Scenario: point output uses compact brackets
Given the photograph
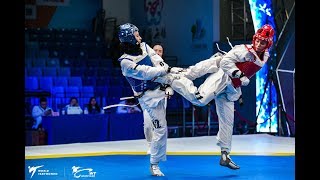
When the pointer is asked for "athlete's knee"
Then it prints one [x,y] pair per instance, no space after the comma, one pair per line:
[161,130]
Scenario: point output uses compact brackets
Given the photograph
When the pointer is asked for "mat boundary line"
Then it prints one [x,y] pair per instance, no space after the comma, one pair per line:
[144,153]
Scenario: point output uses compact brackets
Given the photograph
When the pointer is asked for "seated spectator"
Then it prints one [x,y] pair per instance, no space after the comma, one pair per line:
[93,107]
[130,106]
[158,49]
[73,107]
[40,110]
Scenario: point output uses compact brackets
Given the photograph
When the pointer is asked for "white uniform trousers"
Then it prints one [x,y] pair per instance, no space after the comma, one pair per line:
[156,115]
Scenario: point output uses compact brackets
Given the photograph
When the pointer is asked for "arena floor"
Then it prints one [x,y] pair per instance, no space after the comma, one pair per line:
[260,156]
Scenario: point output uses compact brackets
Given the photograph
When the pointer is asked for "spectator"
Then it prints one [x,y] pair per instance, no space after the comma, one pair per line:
[73,107]
[40,110]
[93,107]
[158,49]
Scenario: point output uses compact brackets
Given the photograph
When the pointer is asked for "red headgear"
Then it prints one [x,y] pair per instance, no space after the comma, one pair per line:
[265,33]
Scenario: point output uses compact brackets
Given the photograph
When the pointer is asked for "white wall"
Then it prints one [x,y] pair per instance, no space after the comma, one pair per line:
[117,8]
[177,19]
[179,36]
[216,20]
[78,14]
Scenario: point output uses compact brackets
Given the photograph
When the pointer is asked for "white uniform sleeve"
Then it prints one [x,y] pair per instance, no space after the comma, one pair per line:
[141,72]
[155,58]
[36,112]
[227,63]
[80,110]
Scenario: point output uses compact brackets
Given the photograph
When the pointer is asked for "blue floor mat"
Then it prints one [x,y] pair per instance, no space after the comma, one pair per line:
[114,167]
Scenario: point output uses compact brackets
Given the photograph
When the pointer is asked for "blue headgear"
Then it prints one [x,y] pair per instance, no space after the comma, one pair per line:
[126,31]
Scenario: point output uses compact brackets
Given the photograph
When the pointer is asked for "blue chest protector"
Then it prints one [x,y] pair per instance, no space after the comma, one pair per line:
[142,85]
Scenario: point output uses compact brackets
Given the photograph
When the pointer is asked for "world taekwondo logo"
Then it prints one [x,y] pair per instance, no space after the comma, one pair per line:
[33,169]
[40,172]
[79,172]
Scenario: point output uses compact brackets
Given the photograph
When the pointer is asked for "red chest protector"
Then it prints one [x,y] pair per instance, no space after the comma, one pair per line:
[248,68]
